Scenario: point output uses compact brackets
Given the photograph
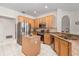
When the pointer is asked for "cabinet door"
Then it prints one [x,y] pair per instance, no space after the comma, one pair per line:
[42,20]
[49,21]
[36,23]
[47,39]
[21,18]
[31,22]
[64,50]
[57,46]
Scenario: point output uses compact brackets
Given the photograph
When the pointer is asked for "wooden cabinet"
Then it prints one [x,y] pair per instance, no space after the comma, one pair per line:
[47,38]
[42,20]
[31,22]
[26,20]
[57,46]
[62,47]
[31,45]
[64,50]
[49,21]
[21,18]
[36,23]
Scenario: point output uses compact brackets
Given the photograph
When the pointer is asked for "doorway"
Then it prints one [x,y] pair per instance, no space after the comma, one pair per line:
[65,24]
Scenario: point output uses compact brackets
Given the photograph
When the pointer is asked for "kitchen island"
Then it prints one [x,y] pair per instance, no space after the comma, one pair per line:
[31,45]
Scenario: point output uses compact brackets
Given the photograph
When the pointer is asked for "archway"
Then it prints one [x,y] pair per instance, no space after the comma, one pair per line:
[65,24]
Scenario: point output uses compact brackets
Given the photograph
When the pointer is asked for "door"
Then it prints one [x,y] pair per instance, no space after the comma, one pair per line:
[65,24]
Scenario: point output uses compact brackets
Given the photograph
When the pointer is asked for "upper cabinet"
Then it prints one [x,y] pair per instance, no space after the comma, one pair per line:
[21,18]
[42,20]
[26,20]
[37,22]
[48,20]
[31,22]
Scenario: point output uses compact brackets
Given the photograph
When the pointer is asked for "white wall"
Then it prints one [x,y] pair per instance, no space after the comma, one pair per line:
[74,27]
[59,16]
[73,15]
[7,27]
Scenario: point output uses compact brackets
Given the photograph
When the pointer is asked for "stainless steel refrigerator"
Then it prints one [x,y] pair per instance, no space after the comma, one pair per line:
[22,30]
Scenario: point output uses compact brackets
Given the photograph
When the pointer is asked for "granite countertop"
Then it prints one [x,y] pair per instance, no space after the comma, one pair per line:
[64,37]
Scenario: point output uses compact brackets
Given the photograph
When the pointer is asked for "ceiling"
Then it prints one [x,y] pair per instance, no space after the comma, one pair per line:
[29,8]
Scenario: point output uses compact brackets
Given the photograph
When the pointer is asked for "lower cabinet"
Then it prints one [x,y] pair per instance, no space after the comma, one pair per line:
[62,47]
[56,45]
[48,38]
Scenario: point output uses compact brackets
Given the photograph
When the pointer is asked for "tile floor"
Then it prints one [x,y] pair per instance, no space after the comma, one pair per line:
[11,48]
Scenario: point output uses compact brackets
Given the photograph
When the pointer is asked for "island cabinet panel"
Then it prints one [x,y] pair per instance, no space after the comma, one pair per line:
[57,46]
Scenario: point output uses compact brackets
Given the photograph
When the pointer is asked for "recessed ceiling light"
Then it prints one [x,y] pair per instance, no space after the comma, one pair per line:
[46,6]
[35,12]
